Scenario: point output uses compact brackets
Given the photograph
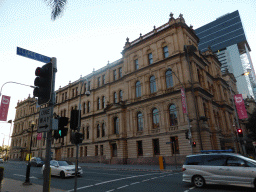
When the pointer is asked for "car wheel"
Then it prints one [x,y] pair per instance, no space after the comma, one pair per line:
[198,181]
[62,174]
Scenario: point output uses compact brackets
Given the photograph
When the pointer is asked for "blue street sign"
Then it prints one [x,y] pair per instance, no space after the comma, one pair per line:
[33,55]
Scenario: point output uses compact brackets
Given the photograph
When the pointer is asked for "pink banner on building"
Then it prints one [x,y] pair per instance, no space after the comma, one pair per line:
[39,136]
[4,107]
[183,100]
[240,107]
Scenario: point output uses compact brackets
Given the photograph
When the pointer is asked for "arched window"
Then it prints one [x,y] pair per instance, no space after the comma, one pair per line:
[173,115]
[98,105]
[116,125]
[84,108]
[120,95]
[138,89]
[152,84]
[98,130]
[103,130]
[168,78]
[140,121]
[88,107]
[115,97]
[155,117]
[103,102]
[87,132]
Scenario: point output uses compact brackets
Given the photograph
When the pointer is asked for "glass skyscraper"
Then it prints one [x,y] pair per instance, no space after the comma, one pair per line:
[227,39]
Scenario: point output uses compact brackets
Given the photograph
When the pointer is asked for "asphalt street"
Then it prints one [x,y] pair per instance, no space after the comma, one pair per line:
[107,180]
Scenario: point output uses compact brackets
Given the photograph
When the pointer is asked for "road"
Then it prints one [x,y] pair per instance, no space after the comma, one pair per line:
[107,180]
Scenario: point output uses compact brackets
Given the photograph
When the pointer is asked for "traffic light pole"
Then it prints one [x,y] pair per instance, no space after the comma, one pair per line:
[78,128]
[46,185]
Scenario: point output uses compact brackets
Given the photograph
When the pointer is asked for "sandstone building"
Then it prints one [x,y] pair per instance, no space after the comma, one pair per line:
[135,107]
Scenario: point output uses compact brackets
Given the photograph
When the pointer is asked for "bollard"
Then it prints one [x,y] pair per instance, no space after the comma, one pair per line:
[161,162]
[164,163]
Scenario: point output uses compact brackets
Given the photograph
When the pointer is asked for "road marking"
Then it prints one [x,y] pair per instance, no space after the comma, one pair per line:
[123,187]
[189,189]
[134,183]
[111,190]
[32,177]
[114,181]
[145,180]
[106,173]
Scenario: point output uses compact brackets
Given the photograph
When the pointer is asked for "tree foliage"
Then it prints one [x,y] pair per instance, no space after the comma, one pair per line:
[57,7]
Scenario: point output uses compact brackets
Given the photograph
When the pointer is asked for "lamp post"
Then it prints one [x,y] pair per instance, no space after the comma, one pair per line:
[188,50]
[10,121]
[15,83]
[189,128]
[233,103]
[27,181]
[87,93]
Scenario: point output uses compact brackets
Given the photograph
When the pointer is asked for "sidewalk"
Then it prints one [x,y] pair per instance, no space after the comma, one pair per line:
[11,185]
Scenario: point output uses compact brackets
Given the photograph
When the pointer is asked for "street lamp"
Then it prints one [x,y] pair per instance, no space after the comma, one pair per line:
[189,127]
[189,49]
[15,83]
[27,181]
[233,103]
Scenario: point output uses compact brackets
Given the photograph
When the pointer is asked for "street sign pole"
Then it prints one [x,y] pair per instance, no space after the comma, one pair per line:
[46,185]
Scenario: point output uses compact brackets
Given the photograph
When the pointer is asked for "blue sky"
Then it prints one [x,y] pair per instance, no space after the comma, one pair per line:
[90,33]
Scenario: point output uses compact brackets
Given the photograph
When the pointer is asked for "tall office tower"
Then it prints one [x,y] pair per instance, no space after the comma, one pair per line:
[227,39]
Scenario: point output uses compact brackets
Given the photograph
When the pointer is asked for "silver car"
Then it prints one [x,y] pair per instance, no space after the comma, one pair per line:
[63,169]
[220,168]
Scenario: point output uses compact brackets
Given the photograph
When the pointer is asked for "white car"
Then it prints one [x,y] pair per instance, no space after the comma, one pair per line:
[63,169]
[220,168]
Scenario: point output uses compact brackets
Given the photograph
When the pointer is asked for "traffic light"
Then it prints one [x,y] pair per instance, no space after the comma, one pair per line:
[76,138]
[62,131]
[194,144]
[240,133]
[63,121]
[43,83]
[74,119]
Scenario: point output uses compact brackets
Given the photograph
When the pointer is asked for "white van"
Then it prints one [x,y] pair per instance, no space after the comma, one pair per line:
[220,168]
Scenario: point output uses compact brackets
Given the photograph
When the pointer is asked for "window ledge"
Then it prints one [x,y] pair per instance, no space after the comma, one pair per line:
[173,128]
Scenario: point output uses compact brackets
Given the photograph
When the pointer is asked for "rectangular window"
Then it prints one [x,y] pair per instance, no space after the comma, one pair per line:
[85,151]
[66,95]
[175,145]
[166,53]
[55,100]
[103,79]
[76,91]
[120,72]
[72,152]
[62,97]
[98,81]
[150,58]
[89,85]
[136,63]
[81,151]
[139,147]
[156,147]
[114,150]
[101,150]
[73,92]
[114,74]
[96,150]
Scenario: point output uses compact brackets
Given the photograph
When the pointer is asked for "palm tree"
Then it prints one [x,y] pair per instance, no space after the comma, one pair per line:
[57,7]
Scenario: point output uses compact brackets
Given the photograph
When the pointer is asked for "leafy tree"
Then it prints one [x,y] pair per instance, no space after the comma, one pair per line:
[251,126]
[57,7]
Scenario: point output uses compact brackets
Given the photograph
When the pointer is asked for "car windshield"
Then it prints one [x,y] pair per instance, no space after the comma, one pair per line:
[70,163]
[38,159]
[250,160]
[63,163]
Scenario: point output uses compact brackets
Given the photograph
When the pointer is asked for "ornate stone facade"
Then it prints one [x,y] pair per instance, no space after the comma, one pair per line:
[134,110]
